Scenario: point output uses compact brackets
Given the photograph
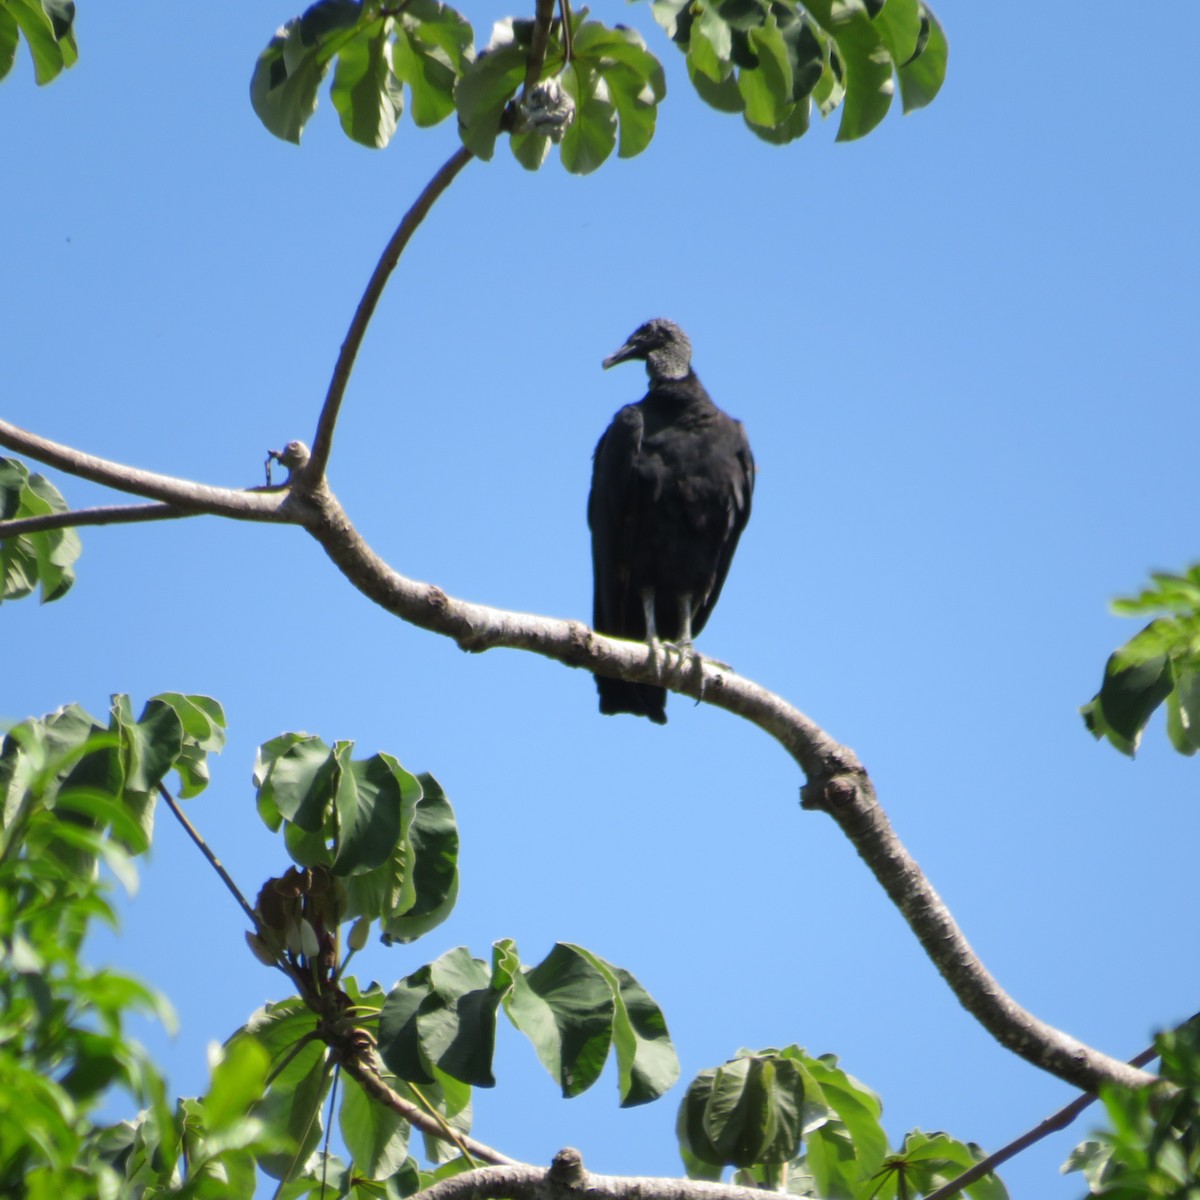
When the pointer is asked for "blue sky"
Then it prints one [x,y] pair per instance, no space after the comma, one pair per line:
[961,348]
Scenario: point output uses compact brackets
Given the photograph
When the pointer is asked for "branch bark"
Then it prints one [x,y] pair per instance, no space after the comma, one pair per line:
[837,783]
[566,1179]
[182,494]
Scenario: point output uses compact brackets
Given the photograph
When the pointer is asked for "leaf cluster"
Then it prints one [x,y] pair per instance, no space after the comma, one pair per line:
[770,60]
[774,61]
[74,794]
[1159,665]
[791,1121]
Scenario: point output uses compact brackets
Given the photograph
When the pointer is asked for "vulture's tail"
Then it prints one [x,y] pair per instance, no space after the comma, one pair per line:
[641,699]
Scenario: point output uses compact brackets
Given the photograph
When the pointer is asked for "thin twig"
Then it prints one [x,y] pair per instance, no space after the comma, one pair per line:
[542,19]
[112,514]
[323,439]
[1052,1124]
[449,1132]
[204,848]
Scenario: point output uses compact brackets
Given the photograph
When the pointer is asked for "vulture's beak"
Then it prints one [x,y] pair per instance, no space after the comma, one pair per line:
[626,352]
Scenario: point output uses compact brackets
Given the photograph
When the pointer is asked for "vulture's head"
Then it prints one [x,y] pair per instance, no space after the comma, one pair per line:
[662,345]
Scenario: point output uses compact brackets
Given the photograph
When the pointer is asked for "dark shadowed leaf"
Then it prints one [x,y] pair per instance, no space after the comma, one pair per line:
[368,800]
[647,1065]
[565,1007]
[745,1112]
[1137,679]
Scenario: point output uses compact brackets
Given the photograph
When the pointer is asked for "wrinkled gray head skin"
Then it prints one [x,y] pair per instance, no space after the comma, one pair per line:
[662,345]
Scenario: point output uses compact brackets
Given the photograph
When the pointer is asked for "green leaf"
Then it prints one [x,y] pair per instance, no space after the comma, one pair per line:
[746,1112]
[725,96]
[866,62]
[239,1078]
[767,89]
[376,1137]
[48,26]
[10,35]
[295,776]
[442,1015]
[857,1107]
[710,47]
[482,92]
[647,1065]
[433,48]
[592,135]
[565,1007]
[1137,679]
[366,94]
[634,78]
[283,88]
[291,1110]
[432,855]
[32,559]
[368,798]
[921,77]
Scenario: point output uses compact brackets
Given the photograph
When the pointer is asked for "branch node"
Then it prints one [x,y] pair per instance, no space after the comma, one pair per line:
[826,794]
[566,1169]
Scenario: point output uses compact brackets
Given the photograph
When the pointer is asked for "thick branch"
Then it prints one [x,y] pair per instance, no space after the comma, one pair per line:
[323,439]
[836,781]
[178,493]
[567,1180]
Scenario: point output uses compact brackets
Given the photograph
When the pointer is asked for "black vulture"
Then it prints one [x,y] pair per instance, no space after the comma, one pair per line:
[671,484]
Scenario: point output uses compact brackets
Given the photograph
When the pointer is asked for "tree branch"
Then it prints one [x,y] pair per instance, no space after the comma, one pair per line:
[1052,1124]
[182,494]
[206,850]
[323,438]
[374,1085]
[837,783]
[566,1179]
[542,19]
[113,514]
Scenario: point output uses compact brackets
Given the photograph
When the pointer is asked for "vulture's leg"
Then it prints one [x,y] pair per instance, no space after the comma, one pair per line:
[685,620]
[652,631]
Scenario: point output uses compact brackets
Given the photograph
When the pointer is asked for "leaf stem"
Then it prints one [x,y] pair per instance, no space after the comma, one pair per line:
[204,849]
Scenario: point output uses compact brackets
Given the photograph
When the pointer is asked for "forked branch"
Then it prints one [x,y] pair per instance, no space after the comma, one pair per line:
[836,783]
